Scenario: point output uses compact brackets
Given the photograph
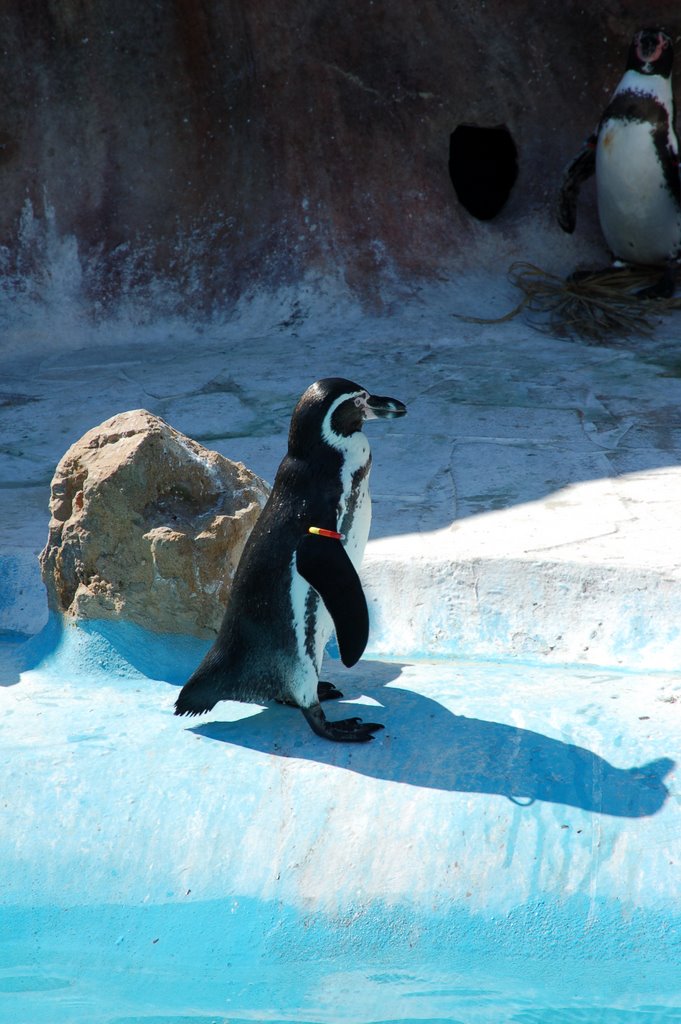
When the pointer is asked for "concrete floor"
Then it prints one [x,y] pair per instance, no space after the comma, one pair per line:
[532,492]
[523,797]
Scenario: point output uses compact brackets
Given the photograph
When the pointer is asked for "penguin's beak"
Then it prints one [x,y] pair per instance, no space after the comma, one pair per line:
[384,408]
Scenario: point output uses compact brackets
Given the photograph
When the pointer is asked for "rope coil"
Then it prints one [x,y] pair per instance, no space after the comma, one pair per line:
[594,305]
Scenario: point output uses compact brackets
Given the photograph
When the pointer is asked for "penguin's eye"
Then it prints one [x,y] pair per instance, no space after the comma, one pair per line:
[349,416]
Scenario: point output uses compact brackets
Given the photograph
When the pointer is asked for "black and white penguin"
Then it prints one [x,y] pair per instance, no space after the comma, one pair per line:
[634,154]
[297,577]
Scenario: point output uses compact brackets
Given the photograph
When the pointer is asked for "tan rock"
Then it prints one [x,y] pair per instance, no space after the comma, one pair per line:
[147,526]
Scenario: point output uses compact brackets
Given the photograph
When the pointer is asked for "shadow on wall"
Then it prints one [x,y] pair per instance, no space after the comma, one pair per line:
[121,648]
[426,745]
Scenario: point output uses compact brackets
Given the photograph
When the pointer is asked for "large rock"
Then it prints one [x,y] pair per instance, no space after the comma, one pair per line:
[147,526]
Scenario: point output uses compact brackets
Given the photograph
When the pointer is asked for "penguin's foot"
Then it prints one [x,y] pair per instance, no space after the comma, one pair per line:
[325,691]
[663,288]
[577,276]
[348,730]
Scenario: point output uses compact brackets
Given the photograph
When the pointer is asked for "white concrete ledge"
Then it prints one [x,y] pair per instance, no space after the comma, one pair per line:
[586,576]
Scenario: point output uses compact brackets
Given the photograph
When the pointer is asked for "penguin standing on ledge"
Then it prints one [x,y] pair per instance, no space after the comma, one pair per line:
[634,154]
[297,578]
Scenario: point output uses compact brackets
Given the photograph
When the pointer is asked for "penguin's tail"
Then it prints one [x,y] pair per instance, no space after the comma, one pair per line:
[197,696]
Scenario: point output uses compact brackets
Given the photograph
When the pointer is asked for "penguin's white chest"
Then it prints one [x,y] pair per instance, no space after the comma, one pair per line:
[354,510]
[639,216]
[358,529]
[312,624]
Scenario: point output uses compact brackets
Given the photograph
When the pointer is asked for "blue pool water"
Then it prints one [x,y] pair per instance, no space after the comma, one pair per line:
[507,850]
[170,965]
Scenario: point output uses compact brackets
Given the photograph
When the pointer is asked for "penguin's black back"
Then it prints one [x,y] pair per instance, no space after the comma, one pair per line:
[256,649]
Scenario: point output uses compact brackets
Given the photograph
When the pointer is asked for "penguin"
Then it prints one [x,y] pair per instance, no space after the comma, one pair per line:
[634,154]
[297,578]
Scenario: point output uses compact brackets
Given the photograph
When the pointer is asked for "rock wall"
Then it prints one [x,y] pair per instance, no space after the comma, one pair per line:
[147,526]
[224,144]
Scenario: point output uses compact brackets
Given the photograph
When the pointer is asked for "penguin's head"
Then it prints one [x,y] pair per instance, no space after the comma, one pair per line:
[333,409]
[651,52]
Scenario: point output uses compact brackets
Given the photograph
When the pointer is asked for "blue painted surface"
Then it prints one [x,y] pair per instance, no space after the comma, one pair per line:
[508,849]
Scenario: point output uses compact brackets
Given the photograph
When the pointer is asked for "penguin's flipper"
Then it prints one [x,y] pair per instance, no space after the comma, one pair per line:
[326,566]
[577,172]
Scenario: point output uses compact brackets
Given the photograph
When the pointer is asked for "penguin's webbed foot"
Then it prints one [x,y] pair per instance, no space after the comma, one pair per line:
[327,691]
[348,730]
[663,288]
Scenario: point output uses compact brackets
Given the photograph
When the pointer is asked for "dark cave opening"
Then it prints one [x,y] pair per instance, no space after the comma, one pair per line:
[483,167]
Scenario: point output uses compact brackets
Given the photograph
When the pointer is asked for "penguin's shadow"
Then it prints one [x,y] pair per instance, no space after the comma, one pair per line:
[426,745]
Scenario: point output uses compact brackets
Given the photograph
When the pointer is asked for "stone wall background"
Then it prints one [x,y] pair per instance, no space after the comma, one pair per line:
[223,145]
